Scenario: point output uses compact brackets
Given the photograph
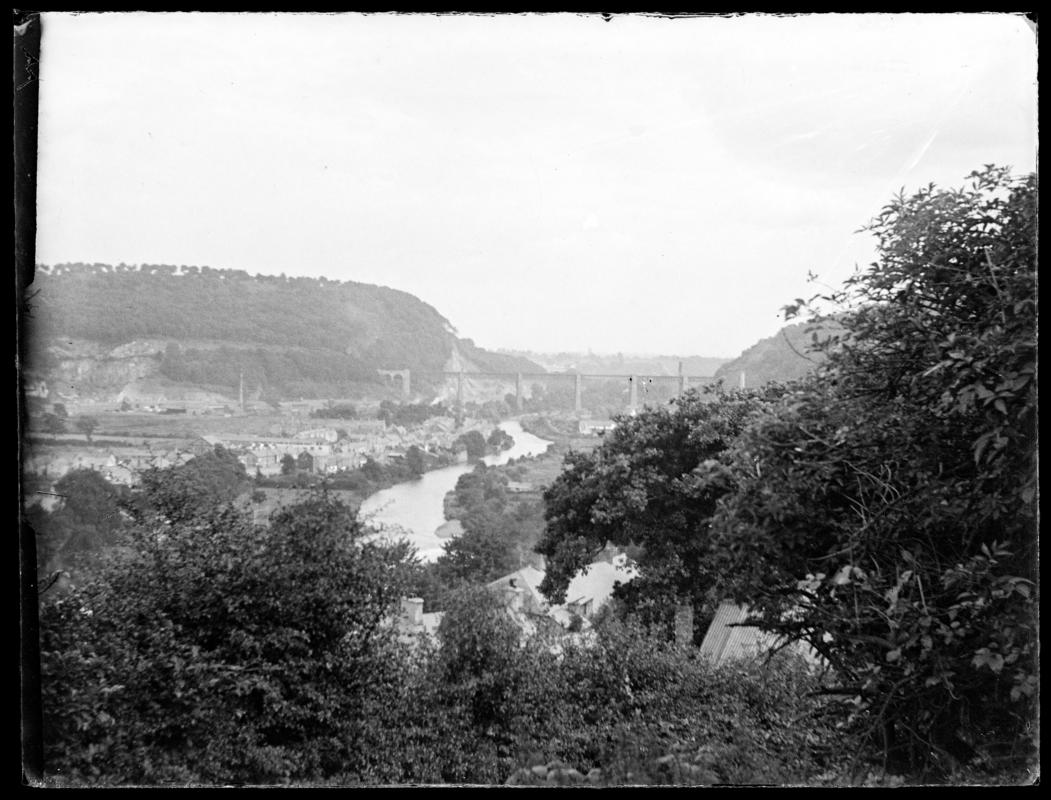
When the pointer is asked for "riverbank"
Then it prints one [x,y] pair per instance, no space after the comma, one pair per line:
[415,510]
[562,431]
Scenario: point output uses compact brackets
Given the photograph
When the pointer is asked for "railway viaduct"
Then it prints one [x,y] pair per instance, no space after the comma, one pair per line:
[404,376]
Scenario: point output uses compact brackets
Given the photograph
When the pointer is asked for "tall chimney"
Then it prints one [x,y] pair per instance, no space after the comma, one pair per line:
[412,610]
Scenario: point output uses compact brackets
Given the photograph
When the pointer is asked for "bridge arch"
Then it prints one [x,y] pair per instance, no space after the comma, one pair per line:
[392,376]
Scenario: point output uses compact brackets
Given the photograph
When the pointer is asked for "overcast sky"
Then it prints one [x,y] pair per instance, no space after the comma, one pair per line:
[548,182]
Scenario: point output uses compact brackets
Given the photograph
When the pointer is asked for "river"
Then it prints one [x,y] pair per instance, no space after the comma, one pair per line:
[414,510]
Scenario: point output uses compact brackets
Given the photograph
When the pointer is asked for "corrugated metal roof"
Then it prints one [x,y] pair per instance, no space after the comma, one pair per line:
[728,639]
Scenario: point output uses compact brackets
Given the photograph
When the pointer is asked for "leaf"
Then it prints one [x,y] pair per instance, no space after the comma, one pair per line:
[843,575]
[985,657]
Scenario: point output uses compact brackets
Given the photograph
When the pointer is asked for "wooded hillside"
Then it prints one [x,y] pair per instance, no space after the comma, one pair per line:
[295,330]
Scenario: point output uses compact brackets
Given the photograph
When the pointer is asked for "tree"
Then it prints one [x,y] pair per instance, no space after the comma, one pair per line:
[476,556]
[339,411]
[373,470]
[414,460]
[473,442]
[212,650]
[86,425]
[288,464]
[53,424]
[885,511]
[499,439]
[645,486]
[83,526]
[211,479]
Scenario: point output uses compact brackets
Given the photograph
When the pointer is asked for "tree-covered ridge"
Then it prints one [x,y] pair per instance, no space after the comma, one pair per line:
[788,355]
[375,326]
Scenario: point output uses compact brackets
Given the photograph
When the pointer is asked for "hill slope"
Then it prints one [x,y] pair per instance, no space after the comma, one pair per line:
[785,356]
[101,325]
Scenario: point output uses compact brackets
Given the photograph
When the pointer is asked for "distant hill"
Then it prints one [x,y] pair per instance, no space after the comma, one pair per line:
[785,356]
[620,364]
[93,326]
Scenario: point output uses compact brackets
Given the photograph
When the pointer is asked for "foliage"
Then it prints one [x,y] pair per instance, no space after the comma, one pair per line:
[337,411]
[473,442]
[288,464]
[885,511]
[499,439]
[414,460]
[88,520]
[213,651]
[789,355]
[645,486]
[409,414]
[499,531]
[490,704]
[672,717]
[53,424]
[86,425]
[185,491]
[299,336]
[492,410]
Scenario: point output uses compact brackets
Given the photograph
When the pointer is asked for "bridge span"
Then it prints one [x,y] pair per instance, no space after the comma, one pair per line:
[684,382]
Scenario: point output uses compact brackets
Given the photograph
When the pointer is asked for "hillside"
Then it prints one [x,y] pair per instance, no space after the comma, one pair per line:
[94,328]
[785,356]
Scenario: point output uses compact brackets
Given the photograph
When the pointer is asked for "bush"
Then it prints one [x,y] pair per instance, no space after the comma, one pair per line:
[210,650]
[886,510]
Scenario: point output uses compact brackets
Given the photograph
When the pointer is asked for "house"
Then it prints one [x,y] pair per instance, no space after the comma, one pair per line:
[522,587]
[202,444]
[249,459]
[595,427]
[120,475]
[319,434]
[588,591]
[592,587]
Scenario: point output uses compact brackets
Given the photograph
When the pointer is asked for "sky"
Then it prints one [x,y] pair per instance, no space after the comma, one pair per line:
[546,182]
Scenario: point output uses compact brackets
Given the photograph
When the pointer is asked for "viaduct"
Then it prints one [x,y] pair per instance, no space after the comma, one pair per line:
[684,381]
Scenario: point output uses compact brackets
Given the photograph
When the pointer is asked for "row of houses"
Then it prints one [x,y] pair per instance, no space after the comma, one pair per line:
[328,452]
[117,465]
[729,636]
[518,593]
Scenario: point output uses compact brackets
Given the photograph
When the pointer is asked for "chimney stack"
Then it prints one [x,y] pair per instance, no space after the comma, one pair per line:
[412,610]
